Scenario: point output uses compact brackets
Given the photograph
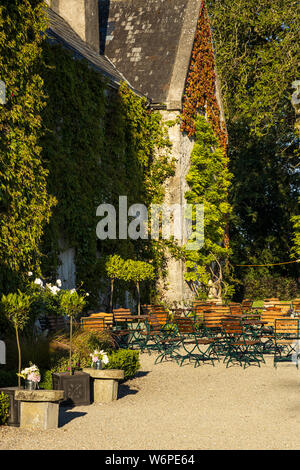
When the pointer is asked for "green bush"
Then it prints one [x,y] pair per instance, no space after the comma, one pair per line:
[270,286]
[46,380]
[124,359]
[4,408]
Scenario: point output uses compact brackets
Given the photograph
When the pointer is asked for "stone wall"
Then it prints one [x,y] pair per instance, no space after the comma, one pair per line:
[175,289]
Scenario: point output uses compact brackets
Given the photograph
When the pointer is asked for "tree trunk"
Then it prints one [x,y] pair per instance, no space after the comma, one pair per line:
[139,298]
[111,295]
[71,332]
[19,357]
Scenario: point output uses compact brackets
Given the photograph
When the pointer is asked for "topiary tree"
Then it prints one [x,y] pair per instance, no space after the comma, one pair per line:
[16,308]
[138,271]
[72,305]
[114,266]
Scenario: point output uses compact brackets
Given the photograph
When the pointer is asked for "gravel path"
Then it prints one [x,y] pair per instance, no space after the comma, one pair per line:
[167,407]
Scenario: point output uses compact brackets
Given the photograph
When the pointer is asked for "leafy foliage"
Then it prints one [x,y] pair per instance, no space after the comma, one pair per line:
[272,286]
[4,408]
[208,180]
[95,141]
[25,204]
[124,359]
[16,308]
[257,55]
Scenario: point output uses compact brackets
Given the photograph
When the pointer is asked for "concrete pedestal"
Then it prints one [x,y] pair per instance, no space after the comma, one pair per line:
[105,384]
[39,408]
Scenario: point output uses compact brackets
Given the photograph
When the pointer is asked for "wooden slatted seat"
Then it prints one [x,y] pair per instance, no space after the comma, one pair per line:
[121,314]
[296,306]
[160,316]
[240,348]
[286,340]
[97,321]
[212,322]
[190,337]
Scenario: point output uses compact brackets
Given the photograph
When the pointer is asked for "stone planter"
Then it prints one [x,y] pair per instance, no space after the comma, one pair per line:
[76,387]
[14,406]
[39,408]
[105,384]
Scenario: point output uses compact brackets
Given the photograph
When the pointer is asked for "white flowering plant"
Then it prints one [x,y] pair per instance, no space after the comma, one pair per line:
[99,356]
[31,373]
[45,297]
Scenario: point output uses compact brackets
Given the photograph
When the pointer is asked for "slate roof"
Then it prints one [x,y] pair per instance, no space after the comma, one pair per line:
[60,31]
[150,42]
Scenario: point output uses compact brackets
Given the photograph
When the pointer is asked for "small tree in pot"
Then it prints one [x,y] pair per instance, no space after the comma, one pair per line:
[16,307]
[138,271]
[75,385]
[114,266]
[72,305]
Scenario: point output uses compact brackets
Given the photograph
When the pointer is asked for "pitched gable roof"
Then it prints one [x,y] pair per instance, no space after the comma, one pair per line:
[150,43]
[60,31]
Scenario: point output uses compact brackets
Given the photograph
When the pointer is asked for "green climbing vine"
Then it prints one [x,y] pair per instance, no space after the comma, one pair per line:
[98,145]
[25,204]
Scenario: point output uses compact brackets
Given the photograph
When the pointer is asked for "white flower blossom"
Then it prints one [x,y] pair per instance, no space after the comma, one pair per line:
[38,282]
[54,289]
[29,273]
[58,282]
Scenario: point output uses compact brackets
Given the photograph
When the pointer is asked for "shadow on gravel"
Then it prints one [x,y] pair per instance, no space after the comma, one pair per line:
[66,415]
[125,389]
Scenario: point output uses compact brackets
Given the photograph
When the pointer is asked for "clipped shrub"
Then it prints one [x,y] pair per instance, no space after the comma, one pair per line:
[124,359]
[4,408]
[46,381]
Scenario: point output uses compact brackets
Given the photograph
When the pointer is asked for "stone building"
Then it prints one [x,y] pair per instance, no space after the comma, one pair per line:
[147,43]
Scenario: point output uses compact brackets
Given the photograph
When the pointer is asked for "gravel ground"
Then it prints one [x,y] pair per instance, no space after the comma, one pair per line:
[167,407]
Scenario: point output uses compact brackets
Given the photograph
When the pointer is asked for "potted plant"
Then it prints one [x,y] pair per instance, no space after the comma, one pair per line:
[76,384]
[114,269]
[15,307]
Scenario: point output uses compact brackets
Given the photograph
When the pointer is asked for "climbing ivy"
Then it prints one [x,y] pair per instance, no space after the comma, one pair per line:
[200,95]
[25,204]
[98,145]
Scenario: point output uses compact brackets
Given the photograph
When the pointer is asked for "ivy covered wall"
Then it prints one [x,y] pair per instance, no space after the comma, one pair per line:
[97,145]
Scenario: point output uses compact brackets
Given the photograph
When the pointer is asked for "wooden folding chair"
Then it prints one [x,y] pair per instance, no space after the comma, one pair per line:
[287,341]
[240,348]
[193,347]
